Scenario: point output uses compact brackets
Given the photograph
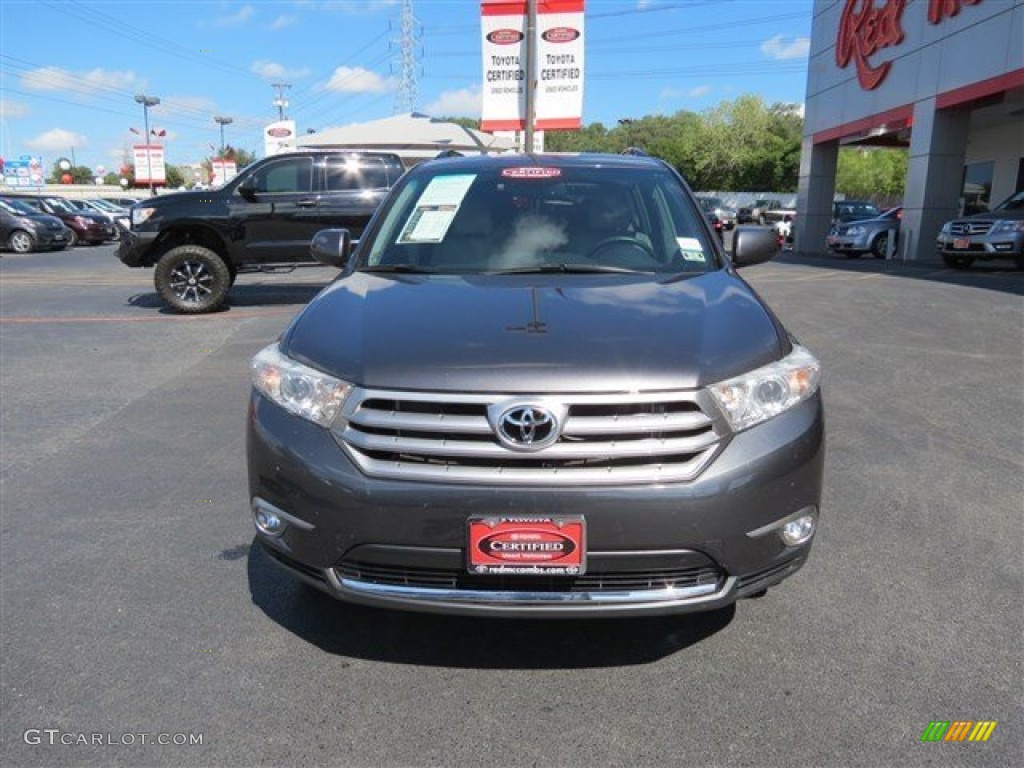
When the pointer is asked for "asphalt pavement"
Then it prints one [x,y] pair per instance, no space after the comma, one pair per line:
[135,609]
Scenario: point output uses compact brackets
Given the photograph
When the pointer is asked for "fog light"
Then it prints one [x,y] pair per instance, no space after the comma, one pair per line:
[267,522]
[798,531]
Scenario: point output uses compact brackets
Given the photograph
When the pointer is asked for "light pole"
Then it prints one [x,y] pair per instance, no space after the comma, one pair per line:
[222,121]
[147,102]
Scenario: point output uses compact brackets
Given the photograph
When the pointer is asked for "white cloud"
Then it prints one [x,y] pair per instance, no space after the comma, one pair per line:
[57,79]
[283,21]
[700,90]
[461,103]
[271,70]
[57,140]
[243,14]
[12,109]
[359,80]
[778,48]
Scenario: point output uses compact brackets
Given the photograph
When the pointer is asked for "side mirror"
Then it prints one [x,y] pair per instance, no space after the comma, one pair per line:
[753,245]
[247,189]
[331,247]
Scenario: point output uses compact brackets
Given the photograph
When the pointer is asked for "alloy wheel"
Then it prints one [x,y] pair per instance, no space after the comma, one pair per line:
[191,281]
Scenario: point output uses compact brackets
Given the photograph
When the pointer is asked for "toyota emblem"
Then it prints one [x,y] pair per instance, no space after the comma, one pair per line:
[527,427]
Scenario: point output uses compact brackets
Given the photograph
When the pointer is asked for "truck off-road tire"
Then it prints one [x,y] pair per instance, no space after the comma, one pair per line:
[958,262]
[21,241]
[192,279]
[880,245]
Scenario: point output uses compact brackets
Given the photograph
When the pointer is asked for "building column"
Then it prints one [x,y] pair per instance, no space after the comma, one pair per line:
[814,195]
[938,143]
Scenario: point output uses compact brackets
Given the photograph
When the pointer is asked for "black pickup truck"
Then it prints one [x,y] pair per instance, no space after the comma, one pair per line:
[262,220]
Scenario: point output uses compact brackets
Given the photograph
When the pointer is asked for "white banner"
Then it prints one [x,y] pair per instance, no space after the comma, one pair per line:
[279,137]
[149,164]
[559,65]
[503,104]
[223,171]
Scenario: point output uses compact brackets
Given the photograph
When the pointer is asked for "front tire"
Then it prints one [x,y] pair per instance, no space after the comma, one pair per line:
[192,279]
[880,246]
[72,238]
[958,262]
[21,241]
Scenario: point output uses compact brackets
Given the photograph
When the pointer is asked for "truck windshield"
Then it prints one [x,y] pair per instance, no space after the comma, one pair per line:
[570,219]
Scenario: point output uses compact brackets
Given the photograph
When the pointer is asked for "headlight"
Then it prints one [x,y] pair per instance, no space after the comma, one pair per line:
[141,215]
[947,228]
[855,231]
[1007,226]
[298,388]
[759,395]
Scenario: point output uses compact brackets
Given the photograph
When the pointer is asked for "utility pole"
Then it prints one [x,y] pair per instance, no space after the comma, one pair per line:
[222,121]
[531,73]
[147,102]
[281,102]
[408,45]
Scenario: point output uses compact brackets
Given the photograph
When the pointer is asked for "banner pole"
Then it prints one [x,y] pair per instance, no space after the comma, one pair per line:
[531,73]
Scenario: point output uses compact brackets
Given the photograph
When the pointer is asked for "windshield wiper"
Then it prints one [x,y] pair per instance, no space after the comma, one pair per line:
[403,268]
[575,269]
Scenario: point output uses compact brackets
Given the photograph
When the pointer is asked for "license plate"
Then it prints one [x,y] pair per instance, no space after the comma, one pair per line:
[962,243]
[830,240]
[524,546]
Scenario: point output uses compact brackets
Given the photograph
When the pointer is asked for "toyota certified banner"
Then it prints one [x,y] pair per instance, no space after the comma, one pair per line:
[154,164]
[558,100]
[279,137]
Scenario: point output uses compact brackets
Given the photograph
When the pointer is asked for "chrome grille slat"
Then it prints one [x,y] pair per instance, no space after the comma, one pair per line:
[605,439]
[970,227]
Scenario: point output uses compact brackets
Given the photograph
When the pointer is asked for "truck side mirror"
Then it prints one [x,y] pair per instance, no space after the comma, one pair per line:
[753,245]
[331,247]
[247,189]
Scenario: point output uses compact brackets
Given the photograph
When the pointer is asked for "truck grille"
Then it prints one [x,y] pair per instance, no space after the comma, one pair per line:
[970,227]
[604,439]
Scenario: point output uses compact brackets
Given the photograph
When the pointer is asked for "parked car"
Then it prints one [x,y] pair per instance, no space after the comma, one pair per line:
[84,226]
[23,229]
[757,212]
[853,210]
[725,214]
[123,202]
[262,219]
[712,216]
[116,216]
[995,234]
[857,237]
[537,388]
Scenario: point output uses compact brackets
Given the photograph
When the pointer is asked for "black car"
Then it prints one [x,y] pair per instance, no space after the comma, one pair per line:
[85,227]
[262,219]
[538,388]
[24,229]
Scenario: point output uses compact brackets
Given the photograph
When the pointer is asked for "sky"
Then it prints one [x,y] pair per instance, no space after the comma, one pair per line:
[70,69]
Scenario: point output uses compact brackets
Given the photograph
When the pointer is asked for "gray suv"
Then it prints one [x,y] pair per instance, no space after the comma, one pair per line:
[995,234]
[538,388]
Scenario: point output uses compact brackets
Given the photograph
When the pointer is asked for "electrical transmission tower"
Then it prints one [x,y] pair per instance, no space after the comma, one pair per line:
[407,61]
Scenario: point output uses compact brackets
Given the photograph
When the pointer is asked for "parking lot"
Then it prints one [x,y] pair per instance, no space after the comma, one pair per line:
[133,601]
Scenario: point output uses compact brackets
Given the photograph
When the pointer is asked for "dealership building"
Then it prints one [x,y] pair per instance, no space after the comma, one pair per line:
[940,79]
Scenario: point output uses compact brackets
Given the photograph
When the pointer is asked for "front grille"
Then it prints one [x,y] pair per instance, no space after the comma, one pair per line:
[623,581]
[605,439]
[970,227]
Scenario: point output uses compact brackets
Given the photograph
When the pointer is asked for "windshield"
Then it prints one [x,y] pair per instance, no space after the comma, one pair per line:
[533,218]
[1013,203]
[18,208]
[59,204]
[103,205]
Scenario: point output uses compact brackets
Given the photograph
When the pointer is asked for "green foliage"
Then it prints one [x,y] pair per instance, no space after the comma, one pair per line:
[874,174]
[80,174]
[174,176]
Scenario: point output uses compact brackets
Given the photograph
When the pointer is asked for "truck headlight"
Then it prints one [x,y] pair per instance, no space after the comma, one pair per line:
[757,396]
[297,388]
[141,215]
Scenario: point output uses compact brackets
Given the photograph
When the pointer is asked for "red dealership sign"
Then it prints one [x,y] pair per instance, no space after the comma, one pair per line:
[865,29]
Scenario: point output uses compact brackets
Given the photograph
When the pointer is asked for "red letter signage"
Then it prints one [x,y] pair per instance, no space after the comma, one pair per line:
[866,30]
[940,9]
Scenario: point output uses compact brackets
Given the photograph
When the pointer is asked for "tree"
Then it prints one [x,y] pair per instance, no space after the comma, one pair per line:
[872,173]
[80,174]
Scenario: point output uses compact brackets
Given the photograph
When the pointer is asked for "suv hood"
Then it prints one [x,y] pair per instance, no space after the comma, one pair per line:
[534,333]
[1006,214]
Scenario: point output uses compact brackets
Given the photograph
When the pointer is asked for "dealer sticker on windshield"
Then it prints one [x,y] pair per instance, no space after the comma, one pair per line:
[525,546]
[436,208]
[691,249]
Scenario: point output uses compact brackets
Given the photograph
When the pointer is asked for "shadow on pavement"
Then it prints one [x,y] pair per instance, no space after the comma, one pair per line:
[992,275]
[399,637]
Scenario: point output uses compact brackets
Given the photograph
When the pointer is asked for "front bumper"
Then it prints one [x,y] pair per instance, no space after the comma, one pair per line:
[135,248]
[651,549]
[847,244]
[1000,246]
